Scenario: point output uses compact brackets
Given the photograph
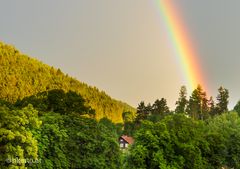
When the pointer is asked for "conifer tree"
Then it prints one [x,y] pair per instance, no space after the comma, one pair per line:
[182,101]
[212,108]
[141,111]
[160,107]
[222,98]
[198,104]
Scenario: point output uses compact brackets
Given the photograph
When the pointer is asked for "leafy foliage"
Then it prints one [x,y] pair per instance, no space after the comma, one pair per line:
[184,143]
[68,141]
[16,139]
[58,101]
[59,139]
[224,138]
[47,115]
[171,143]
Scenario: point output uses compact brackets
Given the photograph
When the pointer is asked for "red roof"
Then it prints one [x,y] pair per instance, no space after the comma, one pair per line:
[128,139]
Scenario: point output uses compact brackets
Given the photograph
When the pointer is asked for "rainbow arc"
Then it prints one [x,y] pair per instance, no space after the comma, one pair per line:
[184,49]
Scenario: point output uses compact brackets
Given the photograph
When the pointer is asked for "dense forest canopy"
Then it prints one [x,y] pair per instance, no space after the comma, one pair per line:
[199,133]
[49,120]
[22,76]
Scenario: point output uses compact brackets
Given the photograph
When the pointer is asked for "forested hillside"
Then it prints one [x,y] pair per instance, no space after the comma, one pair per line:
[22,76]
[46,121]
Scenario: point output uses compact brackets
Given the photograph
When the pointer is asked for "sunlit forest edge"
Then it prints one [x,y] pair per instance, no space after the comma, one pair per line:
[50,120]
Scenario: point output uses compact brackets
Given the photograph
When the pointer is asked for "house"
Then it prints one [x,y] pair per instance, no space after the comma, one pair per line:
[124,141]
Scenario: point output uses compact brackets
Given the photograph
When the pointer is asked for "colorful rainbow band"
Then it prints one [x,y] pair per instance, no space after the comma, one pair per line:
[184,48]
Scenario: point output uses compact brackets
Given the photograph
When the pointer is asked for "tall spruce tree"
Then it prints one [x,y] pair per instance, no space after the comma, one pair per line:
[222,98]
[160,107]
[198,104]
[205,107]
[141,112]
[212,108]
[182,101]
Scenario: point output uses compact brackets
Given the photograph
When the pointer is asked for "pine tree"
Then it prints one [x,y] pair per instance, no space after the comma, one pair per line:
[204,107]
[212,108]
[198,104]
[160,107]
[182,101]
[141,112]
[222,98]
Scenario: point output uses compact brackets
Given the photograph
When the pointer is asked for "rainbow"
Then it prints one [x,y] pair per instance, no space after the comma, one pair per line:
[180,40]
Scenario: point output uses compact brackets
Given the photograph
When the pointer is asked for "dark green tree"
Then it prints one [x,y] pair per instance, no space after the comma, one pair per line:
[222,135]
[198,104]
[205,107]
[91,144]
[58,101]
[160,107]
[142,112]
[52,139]
[70,141]
[182,101]
[149,109]
[212,108]
[175,142]
[222,100]
[159,110]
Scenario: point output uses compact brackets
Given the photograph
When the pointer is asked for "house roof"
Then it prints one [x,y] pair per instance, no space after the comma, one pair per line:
[128,139]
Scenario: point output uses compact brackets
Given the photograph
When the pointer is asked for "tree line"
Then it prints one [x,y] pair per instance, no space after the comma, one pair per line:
[57,128]
[199,133]
[58,122]
[198,107]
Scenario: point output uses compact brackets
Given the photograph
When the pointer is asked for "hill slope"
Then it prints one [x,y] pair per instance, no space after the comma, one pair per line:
[22,76]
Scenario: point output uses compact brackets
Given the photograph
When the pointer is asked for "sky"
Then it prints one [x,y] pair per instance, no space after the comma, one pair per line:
[122,47]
